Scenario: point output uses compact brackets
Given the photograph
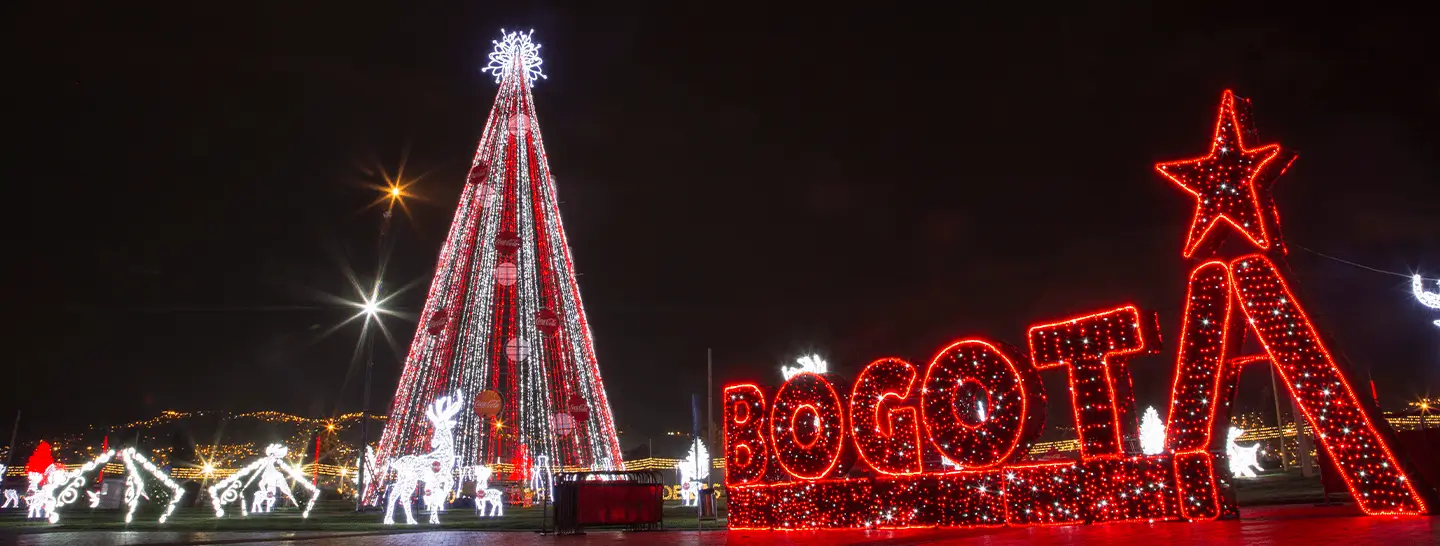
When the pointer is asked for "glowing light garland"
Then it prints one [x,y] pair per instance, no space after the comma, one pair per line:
[78,481]
[1428,299]
[520,331]
[271,471]
[786,454]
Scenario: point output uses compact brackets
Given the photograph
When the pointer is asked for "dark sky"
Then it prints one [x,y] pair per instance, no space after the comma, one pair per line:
[185,178]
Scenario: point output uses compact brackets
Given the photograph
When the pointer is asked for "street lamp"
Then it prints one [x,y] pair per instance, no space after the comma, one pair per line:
[370,306]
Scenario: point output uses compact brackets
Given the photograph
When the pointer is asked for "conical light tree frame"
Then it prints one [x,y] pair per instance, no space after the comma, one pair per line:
[504,312]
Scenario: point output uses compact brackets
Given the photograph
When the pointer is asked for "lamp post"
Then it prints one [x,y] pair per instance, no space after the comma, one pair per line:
[371,308]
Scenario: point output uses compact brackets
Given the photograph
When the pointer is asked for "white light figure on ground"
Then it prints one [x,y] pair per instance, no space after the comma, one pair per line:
[1242,459]
[1152,433]
[40,496]
[12,499]
[1428,299]
[542,477]
[435,469]
[485,497]
[271,471]
[515,51]
[809,363]
[136,467]
[693,470]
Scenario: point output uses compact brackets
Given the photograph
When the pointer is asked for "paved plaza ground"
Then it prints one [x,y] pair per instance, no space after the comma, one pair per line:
[1262,526]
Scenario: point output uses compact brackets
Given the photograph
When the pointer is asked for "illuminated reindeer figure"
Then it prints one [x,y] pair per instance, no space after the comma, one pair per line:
[485,497]
[435,469]
[1428,299]
[1242,459]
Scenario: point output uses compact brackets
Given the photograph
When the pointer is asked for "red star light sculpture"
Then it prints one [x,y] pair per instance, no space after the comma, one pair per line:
[1232,184]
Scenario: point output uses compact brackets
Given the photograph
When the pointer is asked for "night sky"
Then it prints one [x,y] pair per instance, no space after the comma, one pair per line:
[187,181]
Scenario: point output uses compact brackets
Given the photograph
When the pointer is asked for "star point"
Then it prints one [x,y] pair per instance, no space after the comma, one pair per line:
[1231,184]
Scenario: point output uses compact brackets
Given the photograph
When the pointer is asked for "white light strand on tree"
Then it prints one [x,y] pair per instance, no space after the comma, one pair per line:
[1152,433]
[268,470]
[370,468]
[1428,299]
[808,363]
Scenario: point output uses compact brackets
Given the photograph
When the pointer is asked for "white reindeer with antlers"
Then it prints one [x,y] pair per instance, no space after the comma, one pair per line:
[436,469]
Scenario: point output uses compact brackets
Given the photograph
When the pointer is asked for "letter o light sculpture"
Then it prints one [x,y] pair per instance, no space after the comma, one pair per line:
[807,427]
[1014,408]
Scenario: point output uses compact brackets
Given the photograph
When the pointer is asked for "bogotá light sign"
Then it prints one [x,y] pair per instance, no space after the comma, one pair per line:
[789,453]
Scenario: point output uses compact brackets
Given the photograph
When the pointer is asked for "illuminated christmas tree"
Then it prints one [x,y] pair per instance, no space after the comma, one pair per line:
[1152,433]
[503,312]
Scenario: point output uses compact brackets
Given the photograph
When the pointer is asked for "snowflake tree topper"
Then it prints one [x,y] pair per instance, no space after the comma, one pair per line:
[515,51]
